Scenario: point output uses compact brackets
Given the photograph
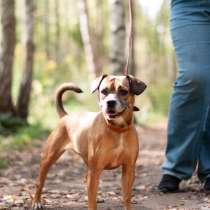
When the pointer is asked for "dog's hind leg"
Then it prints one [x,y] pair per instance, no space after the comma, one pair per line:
[55,147]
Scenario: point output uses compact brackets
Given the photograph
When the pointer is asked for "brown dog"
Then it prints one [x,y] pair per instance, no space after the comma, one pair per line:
[104,140]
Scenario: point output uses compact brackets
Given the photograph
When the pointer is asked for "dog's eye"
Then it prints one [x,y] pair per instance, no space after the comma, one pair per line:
[123,92]
[104,92]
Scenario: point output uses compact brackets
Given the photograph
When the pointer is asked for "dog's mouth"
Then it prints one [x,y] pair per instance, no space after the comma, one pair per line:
[112,113]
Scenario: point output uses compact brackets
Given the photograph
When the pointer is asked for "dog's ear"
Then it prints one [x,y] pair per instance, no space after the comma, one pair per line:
[136,85]
[96,83]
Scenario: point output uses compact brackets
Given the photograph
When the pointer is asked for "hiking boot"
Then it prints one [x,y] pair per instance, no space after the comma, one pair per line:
[169,184]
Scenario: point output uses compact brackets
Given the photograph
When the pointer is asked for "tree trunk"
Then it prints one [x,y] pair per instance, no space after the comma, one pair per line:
[98,36]
[57,31]
[117,36]
[46,28]
[7,54]
[86,38]
[25,86]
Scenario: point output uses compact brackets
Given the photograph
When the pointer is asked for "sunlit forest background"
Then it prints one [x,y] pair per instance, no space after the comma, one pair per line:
[56,41]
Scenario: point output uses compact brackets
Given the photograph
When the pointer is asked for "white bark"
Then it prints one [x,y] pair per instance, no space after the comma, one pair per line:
[25,86]
[57,25]
[85,33]
[46,28]
[117,36]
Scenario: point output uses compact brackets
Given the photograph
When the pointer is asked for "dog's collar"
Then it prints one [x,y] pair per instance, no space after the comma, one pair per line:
[118,129]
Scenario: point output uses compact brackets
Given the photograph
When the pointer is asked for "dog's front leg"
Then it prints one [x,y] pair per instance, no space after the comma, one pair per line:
[128,173]
[92,185]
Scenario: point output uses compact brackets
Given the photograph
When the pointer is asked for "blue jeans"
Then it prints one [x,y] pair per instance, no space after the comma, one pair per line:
[188,142]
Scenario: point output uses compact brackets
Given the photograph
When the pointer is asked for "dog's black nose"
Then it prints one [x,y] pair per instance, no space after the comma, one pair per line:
[111,103]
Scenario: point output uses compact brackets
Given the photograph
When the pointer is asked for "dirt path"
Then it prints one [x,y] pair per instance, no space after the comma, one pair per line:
[65,188]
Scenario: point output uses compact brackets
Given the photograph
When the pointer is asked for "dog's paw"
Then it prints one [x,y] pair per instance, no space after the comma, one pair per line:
[37,206]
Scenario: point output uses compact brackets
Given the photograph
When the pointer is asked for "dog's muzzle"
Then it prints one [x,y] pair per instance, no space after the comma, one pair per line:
[115,108]
[112,106]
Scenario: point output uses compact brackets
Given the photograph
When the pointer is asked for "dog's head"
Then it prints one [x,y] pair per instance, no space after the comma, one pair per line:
[116,94]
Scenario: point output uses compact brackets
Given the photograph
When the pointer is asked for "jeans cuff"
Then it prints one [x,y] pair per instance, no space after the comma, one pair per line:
[182,177]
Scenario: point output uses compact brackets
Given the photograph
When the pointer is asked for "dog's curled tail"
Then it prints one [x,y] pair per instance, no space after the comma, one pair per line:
[59,93]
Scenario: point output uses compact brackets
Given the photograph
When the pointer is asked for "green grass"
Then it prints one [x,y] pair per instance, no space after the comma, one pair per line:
[3,163]
[18,140]
[158,96]
[23,136]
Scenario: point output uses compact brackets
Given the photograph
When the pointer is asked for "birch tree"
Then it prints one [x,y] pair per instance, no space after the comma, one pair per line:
[25,86]
[117,36]
[57,30]
[46,28]
[87,41]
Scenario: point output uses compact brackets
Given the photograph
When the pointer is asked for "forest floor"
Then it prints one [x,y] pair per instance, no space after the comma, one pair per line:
[65,189]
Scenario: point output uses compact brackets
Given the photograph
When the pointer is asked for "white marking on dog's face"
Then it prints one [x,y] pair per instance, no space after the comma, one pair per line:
[111,105]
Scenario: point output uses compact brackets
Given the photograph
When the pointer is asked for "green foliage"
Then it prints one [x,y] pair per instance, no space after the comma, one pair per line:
[158,95]
[19,138]
[3,163]
[74,33]
[22,136]
[9,123]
